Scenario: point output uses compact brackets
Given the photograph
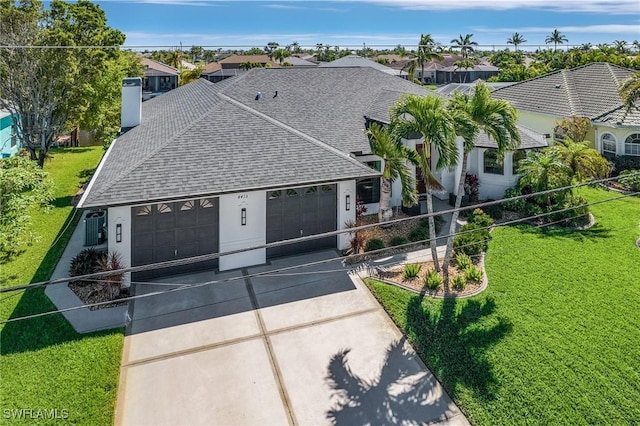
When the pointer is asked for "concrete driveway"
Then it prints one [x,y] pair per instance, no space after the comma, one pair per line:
[311,347]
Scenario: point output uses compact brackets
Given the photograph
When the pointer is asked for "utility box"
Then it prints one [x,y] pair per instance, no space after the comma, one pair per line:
[94,232]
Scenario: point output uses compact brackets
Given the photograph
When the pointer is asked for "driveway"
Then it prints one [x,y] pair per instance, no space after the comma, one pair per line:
[308,347]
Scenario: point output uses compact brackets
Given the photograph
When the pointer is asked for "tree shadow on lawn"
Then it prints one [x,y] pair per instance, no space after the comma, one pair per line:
[454,344]
[40,332]
[596,232]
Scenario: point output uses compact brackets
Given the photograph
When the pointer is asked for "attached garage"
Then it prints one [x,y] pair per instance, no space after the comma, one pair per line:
[298,212]
[174,230]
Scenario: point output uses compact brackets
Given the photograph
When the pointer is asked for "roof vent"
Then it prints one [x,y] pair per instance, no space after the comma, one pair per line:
[557,86]
[258,96]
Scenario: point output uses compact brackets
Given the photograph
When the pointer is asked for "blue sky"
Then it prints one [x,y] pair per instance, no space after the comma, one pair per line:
[378,23]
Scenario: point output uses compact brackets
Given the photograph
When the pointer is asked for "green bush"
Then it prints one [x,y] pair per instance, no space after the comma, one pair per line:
[463,261]
[624,162]
[480,218]
[374,244]
[419,233]
[433,280]
[471,241]
[398,241]
[495,211]
[459,282]
[86,262]
[532,209]
[631,182]
[577,215]
[473,273]
[518,205]
[411,270]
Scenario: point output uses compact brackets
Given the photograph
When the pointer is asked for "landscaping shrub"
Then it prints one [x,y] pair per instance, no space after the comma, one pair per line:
[433,280]
[411,270]
[578,216]
[398,241]
[86,262]
[463,261]
[356,242]
[471,243]
[621,163]
[495,211]
[419,233]
[480,218]
[532,209]
[472,186]
[112,283]
[518,205]
[473,274]
[631,182]
[374,244]
[459,282]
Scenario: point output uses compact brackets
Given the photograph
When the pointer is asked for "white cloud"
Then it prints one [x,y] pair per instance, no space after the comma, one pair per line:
[597,29]
[624,7]
[282,6]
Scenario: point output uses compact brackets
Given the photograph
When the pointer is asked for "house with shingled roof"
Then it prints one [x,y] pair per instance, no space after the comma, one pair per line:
[589,91]
[158,77]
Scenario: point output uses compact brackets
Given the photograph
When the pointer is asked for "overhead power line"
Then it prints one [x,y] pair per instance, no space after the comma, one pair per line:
[182,287]
[202,258]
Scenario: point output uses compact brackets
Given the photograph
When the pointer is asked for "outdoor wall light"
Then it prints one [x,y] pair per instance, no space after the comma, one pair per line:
[118,233]
[347,202]
[243,216]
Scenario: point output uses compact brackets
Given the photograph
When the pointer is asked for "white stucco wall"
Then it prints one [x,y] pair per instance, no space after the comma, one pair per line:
[492,185]
[233,235]
[120,216]
[343,215]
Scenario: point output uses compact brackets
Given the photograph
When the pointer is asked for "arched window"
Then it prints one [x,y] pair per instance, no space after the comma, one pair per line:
[492,163]
[517,157]
[632,144]
[608,143]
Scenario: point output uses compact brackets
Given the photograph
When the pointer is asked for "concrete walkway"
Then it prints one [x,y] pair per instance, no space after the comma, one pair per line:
[309,347]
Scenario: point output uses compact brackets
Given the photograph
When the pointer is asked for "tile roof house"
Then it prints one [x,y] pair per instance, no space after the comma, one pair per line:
[274,154]
[589,91]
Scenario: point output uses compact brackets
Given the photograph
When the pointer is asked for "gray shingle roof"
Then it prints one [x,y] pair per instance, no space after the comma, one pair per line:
[359,61]
[380,107]
[529,139]
[328,104]
[205,139]
[588,91]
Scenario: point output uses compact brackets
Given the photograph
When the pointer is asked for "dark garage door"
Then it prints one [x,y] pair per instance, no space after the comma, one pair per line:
[297,212]
[170,231]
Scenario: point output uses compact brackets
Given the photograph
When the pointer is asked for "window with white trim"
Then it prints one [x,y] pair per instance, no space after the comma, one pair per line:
[632,144]
[608,143]
[492,163]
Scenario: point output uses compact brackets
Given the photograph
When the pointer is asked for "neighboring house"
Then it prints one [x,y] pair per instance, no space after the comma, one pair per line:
[232,66]
[589,91]
[158,77]
[468,88]
[455,74]
[10,142]
[236,61]
[273,154]
[359,61]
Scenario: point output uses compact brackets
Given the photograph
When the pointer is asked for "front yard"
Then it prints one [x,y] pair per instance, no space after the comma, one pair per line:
[554,339]
[45,364]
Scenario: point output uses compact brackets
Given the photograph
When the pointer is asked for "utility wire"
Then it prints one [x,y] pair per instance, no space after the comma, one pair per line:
[289,268]
[201,258]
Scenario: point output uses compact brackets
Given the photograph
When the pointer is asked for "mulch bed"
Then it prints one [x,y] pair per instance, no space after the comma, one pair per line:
[92,292]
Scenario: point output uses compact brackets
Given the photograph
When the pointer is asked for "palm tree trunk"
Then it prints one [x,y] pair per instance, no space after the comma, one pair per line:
[454,219]
[384,209]
[432,229]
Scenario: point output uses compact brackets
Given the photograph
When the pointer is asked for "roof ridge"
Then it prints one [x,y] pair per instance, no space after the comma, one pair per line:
[158,148]
[291,129]
[570,89]
[531,79]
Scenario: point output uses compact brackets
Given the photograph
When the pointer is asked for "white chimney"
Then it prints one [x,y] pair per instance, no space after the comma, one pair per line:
[131,102]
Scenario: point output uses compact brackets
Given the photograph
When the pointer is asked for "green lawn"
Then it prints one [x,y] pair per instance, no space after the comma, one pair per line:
[45,364]
[555,339]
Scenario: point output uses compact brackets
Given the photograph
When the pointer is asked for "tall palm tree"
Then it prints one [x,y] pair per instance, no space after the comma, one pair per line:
[425,52]
[556,38]
[620,45]
[472,115]
[584,163]
[429,117]
[388,146]
[465,44]
[516,39]
[543,170]
[630,91]
[464,64]
[175,58]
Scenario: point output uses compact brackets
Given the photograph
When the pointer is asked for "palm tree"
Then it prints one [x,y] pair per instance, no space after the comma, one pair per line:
[474,114]
[630,91]
[516,39]
[636,45]
[543,170]
[556,38]
[175,58]
[584,163]
[424,53]
[465,44]
[465,64]
[394,154]
[281,54]
[429,117]
[620,46]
